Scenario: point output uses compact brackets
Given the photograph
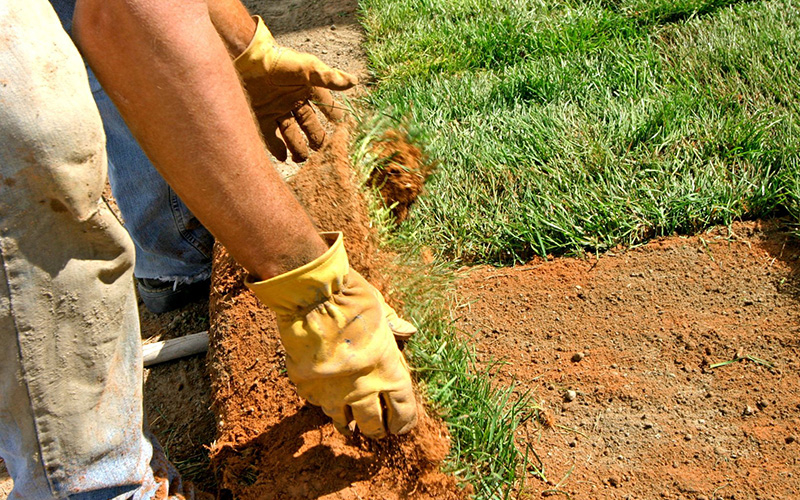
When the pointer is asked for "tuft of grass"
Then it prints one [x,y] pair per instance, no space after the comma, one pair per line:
[739,357]
[560,127]
[481,417]
[196,468]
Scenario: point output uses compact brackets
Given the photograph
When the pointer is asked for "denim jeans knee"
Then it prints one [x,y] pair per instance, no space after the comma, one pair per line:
[71,422]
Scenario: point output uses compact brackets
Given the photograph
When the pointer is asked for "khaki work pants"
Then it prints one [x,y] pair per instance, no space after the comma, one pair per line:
[70,352]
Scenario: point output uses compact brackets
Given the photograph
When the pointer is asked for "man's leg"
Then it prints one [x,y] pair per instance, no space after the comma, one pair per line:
[173,250]
[70,355]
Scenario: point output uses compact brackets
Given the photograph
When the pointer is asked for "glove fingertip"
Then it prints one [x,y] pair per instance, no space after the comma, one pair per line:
[343,81]
[344,430]
[408,427]
[299,156]
[402,424]
[332,79]
[309,123]
[402,329]
[401,410]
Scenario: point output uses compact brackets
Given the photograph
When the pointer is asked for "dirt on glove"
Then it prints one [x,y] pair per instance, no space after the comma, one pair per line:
[270,444]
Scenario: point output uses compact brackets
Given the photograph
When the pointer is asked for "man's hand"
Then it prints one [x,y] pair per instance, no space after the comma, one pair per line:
[281,83]
[340,351]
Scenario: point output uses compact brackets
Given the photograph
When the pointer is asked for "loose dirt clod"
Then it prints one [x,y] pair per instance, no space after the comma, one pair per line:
[400,171]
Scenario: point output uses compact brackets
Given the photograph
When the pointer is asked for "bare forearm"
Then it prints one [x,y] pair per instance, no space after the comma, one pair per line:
[233,23]
[170,75]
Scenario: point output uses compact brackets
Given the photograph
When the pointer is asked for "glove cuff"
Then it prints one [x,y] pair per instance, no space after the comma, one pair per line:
[260,55]
[308,285]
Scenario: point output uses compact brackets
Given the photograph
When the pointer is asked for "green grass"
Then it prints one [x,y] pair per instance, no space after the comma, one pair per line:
[481,417]
[561,127]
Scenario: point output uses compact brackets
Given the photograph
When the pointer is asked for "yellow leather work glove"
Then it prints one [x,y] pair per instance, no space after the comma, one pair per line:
[402,329]
[340,351]
[281,82]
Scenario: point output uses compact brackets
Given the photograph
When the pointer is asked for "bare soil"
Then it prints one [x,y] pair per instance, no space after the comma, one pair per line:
[620,354]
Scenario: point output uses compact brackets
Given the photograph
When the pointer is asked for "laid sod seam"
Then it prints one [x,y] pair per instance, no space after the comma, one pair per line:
[481,418]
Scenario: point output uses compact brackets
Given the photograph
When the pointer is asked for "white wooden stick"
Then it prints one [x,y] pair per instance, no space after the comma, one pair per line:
[167,350]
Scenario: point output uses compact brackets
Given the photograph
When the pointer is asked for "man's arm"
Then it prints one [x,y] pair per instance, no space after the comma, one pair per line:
[171,78]
[168,72]
[234,24]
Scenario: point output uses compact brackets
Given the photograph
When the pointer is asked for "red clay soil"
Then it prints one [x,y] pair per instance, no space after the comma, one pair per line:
[400,171]
[270,444]
[620,352]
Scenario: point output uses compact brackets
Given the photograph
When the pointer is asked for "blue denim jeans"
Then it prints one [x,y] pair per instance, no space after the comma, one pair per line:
[170,243]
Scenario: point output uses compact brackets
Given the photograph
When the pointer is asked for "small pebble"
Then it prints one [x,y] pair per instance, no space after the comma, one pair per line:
[748,410]
[570,395]
[613,482]
[687,437]
[790,439]
[578,356]
[333,27]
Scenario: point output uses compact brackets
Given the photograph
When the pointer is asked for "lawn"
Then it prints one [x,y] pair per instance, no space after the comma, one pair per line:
[563,127]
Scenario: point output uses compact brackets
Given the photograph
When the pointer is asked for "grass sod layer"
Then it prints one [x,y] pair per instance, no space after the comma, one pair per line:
[481,417]
[560,127]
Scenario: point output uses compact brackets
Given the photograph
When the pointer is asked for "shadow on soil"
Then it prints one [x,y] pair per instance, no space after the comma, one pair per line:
[282,448]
